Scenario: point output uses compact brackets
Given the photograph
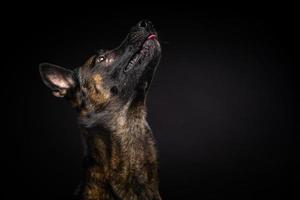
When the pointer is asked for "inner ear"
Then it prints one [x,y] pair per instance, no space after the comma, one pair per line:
[58,79]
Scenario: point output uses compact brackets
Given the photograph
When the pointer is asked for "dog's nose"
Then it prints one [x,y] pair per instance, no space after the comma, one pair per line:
[145,24]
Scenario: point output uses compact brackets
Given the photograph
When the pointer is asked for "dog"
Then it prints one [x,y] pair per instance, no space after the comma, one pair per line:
[109,93]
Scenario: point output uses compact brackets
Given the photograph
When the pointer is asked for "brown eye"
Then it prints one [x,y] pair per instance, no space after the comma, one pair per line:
[100,59]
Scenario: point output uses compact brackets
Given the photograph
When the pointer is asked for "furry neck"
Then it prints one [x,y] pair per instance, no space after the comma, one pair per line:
[120,154]
[118,136]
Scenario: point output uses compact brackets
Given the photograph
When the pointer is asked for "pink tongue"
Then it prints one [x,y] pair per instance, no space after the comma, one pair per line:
[151,37]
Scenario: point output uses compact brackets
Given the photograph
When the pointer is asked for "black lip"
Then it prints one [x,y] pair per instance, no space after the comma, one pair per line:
[137,54]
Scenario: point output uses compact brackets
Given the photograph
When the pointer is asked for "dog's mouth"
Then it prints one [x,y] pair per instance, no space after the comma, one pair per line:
[142,52]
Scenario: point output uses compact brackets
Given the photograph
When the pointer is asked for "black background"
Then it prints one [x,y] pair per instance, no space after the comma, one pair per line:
[222,104]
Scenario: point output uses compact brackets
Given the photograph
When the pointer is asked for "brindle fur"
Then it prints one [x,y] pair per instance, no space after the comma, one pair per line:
[120,159]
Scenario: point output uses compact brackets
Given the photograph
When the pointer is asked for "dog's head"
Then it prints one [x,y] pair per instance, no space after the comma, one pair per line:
[119,76]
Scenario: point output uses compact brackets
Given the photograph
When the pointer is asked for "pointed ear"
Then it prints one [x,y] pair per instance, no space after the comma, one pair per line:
[58,79]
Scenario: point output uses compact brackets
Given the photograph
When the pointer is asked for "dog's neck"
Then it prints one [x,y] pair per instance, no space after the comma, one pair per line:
[120,149]
[114,118]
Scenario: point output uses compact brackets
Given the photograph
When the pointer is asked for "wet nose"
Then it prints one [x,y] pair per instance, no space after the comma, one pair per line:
[145,24]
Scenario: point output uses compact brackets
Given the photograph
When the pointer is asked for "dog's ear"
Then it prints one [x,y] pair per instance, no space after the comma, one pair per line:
[58,79]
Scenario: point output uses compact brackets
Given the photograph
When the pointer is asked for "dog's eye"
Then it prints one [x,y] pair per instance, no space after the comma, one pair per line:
[100,59]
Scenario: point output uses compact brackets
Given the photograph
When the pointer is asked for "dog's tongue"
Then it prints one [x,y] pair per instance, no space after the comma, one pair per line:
[151,37]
